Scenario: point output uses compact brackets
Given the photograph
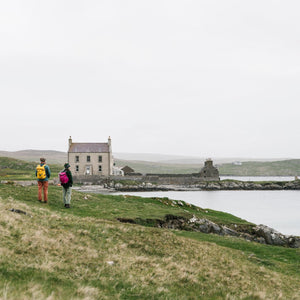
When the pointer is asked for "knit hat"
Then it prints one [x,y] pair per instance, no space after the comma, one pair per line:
[66,165]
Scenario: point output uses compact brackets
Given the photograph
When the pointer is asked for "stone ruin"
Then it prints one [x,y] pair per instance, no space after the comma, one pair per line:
[209,172]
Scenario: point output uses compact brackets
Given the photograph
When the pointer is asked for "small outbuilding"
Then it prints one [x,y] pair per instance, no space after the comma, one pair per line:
[127,170]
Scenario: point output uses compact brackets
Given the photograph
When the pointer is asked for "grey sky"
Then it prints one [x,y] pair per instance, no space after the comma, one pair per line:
[196,78]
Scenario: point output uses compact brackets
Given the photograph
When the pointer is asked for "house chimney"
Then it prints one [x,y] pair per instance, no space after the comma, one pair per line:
[110,158]
[209,162]
[70,141]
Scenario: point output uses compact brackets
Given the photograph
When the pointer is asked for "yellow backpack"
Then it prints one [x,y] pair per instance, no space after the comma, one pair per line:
[41,172]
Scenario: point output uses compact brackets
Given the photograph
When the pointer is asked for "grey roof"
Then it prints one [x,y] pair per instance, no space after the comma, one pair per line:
[89,148]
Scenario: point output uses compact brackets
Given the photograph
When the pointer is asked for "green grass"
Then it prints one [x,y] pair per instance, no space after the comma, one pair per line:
[251,168]
[286,261]
[15,169]
[159,168]
[110,207]
[65,254]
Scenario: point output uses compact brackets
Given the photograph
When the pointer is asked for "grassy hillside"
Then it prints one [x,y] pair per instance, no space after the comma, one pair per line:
[284,168]
[158,167]
[85,253]
[251,168]
[15,169]
[53,157]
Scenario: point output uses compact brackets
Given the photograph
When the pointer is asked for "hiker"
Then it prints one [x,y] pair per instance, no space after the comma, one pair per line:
[42,173]
[66,180]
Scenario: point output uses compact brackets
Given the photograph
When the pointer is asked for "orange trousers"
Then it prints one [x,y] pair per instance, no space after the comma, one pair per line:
[43,186]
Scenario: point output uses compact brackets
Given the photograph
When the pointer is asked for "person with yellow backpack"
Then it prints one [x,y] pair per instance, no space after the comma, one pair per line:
[42,173]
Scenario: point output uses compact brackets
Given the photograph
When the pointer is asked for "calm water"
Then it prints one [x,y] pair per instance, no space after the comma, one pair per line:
[277,209]
[259,178]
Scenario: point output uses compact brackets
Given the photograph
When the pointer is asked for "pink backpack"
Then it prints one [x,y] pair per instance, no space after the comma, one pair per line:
[63,177]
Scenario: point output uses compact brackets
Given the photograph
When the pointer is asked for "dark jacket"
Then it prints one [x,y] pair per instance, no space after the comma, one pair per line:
[47,170]
[70,182]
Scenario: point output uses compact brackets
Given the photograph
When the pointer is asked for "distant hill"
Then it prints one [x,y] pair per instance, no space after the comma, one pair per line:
[289,167]
[53,157]
[16,164]
[159,167]
[148,157]
[186,160]
[250,168]
[16,169]
[161,163]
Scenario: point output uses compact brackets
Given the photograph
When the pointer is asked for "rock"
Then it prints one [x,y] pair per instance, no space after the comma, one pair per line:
[260,240]
[213,186]
[193,219]
[231,185]
[272,186]
[247,236]
[294,242]
[271,236]
[252,186]
[214,228]
[19,211]
[229,231]
[204,225]
[118,185]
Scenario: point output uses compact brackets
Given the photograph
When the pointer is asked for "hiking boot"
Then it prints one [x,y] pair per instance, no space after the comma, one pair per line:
[67,206]
[40,201]
[45,202]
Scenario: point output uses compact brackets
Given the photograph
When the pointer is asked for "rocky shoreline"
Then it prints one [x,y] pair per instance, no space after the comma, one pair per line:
[206,186]
[111,185]
[259,233]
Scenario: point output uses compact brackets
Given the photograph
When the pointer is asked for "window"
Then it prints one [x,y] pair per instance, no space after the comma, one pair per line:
[88,158]
[100,168]
[76,158]
[77,168]
[99,158]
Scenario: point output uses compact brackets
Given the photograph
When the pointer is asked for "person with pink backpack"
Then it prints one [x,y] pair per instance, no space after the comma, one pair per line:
[66,181]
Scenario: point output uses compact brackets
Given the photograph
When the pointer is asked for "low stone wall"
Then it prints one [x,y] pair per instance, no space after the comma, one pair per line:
[103,180]
[157,179]
[204,186]
[157,182]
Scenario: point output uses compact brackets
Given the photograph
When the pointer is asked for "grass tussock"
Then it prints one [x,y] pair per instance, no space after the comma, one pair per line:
[76,254]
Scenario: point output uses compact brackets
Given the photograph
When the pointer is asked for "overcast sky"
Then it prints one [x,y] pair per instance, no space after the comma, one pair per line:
[195,78]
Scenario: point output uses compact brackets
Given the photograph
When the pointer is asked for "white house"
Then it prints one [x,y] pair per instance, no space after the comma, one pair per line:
[91,158]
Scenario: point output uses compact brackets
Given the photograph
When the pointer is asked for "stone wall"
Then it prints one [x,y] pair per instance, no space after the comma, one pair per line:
[162,179]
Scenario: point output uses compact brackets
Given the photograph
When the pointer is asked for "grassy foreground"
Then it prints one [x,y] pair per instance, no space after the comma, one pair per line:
[85,253]
[15,169]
